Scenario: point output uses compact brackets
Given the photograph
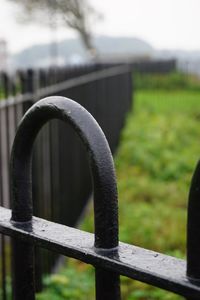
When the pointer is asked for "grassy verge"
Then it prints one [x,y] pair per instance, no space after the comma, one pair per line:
[154,164]
[169,81]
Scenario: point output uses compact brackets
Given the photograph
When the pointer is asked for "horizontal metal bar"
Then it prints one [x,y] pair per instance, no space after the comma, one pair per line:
[144,265]
[13,100]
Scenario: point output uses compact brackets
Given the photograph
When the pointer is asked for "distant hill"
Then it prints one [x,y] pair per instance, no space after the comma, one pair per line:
[123,45]
[72,51]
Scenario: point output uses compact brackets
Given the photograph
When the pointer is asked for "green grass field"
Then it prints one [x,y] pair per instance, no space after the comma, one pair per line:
[157,155]
[161,101]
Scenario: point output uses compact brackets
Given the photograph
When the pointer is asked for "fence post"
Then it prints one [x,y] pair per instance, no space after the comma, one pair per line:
[193,229]
[105,191]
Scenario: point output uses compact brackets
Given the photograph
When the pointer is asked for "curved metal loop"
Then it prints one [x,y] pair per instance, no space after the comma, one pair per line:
[101,163]
[193,229]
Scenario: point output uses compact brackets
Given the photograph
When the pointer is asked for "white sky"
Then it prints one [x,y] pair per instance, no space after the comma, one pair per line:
[169,24]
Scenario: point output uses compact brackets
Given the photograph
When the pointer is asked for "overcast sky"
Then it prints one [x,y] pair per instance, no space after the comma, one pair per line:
[165,24]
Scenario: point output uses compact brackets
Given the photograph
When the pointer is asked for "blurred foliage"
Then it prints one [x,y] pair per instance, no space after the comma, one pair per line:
[71,283]
[170,81]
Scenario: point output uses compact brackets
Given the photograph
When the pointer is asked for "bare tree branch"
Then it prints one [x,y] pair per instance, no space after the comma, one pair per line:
[76,14]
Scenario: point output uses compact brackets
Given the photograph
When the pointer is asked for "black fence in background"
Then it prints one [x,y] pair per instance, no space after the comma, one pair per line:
[61,177]
[147,66]
[157,66]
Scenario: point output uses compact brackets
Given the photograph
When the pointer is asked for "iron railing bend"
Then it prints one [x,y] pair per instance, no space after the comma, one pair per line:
[104,186]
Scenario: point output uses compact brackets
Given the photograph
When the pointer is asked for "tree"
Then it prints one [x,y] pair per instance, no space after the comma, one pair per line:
[76,14]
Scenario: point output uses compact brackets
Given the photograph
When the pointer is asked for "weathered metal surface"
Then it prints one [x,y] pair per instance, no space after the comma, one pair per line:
[104,187]
[148,266]
[193,229]
[105,190]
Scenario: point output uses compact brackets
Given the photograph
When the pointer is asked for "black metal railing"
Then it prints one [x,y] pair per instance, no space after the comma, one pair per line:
[106,222]
[102,250]
[60,168]
[105,90]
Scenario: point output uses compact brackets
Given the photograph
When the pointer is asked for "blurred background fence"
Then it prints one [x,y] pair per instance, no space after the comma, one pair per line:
[61,177]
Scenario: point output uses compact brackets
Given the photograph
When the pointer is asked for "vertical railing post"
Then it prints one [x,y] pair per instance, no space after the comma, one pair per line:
[2,237]
[193,229]
[23,279]
[23,252]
